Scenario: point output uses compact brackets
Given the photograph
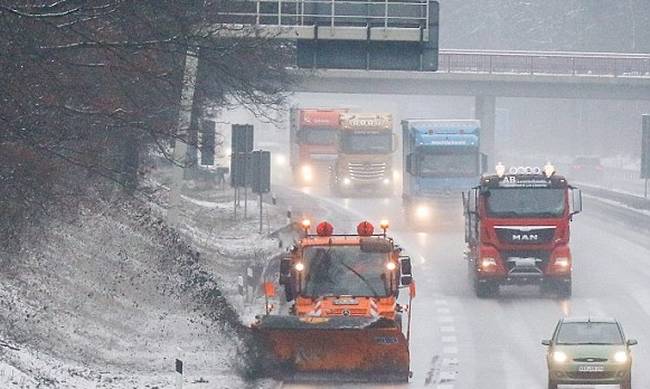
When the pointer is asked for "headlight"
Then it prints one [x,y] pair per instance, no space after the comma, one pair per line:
[346,181]
[422,212]
[620,356]
[307,173]
[562,262]
[559,357]
[280,159]
[488,261]
[391,266]
[299,266]
[386,181]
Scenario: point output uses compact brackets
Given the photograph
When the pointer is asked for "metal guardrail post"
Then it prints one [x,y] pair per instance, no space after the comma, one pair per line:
[257,16]
[333,10]
[385,13]
[279,12]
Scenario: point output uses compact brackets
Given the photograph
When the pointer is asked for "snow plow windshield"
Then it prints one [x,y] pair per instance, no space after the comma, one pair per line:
[525,202]
[344,271]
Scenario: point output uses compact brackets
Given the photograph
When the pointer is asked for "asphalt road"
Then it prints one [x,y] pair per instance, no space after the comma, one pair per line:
[460,341]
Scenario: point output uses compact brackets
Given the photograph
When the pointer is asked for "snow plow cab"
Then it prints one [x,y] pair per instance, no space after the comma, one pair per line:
[345,322]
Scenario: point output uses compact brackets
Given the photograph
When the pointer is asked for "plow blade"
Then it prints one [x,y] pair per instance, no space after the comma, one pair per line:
[349,348]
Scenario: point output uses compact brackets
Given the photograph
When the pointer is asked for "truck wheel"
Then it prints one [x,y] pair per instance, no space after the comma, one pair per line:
[564,288]
[486,289]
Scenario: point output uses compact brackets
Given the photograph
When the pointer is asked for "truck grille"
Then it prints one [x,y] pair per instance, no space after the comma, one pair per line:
[525,234]
[366,171]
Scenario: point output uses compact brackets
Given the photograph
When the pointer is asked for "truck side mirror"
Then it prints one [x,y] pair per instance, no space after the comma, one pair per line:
[406,270]
[285,271]
[484,163]
[576,201]
[632,342]
[546,342]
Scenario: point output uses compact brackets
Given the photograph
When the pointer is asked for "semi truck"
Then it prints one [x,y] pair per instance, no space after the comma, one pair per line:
[313,138]
[441,159]
[364,163]
[345,320]
[517,230]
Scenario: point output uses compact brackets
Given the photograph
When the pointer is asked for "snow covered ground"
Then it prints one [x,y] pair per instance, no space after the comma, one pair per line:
[113,299]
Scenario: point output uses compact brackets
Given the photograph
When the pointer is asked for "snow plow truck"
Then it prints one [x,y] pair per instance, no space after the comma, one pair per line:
[345,322]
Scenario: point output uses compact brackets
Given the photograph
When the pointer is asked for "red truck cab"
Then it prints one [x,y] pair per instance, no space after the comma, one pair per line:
[313,138]
[517,230]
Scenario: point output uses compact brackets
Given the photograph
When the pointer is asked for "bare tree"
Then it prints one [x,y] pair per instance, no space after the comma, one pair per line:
[88,85]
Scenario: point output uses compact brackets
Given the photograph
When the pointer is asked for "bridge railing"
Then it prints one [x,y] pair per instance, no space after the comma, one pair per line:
[544,63]
[292,15]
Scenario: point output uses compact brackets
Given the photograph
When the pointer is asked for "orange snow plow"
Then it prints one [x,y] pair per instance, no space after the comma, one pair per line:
[345,321]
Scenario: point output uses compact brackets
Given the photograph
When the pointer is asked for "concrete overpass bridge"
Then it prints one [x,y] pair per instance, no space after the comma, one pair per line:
[391,47]
[488,75]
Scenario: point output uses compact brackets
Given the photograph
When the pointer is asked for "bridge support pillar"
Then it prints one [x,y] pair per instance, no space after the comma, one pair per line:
[485,111]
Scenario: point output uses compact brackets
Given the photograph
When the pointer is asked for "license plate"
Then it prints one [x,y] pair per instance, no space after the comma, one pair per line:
[346,301]
[591,368]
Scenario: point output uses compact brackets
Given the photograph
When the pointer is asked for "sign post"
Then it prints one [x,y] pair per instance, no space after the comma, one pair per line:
[179,374]
[261,177]
[645,152]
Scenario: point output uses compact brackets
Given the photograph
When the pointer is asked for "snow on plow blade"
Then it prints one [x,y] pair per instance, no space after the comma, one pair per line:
[349,348]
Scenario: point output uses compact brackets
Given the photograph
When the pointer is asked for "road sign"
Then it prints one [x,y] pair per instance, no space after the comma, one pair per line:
[208,137]
[242,138]
[260,171]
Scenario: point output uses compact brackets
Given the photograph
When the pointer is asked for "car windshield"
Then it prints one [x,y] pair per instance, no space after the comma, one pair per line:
[344,270]
[589,333]
[318,136]
[526,202]
[367,143]
[448,165]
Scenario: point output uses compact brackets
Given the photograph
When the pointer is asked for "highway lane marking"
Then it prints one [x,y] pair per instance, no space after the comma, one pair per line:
[446,319]
[447,329]
[440,302]
[448,339]
[450,350]
[443,310]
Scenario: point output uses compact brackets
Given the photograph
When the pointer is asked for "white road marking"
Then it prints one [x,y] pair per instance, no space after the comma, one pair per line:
[448,339]
[449,362]
[443,310]
[440,302]
[446,319]
[447,329]
[450,350]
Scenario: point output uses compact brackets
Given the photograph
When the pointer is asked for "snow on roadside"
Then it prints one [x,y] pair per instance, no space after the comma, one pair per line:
[110,302]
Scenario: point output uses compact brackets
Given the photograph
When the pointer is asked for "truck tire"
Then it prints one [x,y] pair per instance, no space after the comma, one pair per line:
[564,288]
[486,289]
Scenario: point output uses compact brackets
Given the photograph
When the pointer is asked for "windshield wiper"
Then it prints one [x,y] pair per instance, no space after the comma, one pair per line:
[375,294]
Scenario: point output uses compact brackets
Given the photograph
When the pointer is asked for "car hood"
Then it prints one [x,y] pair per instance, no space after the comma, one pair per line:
[590,350]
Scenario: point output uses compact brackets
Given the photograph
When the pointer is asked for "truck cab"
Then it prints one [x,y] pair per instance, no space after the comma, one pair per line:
[441,159]
[313,140]
[517,230]
[366,144]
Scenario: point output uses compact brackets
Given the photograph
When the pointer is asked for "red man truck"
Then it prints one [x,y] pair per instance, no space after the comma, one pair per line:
[313,138]
[517,229]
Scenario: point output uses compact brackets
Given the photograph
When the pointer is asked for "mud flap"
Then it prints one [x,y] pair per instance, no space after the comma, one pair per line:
[367,349]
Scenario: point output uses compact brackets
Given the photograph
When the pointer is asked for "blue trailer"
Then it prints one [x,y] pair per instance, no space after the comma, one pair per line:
[441,159]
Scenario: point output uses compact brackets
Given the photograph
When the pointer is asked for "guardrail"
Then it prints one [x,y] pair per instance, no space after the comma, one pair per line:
[297,13]
[545,63]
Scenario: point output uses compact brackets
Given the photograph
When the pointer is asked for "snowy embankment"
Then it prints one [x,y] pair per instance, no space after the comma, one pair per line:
[113,299]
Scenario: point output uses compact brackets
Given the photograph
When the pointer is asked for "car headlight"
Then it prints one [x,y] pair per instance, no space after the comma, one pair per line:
[307,173]
[347,181]
[620,357]
[422,212]
[559,357]
[386,181]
